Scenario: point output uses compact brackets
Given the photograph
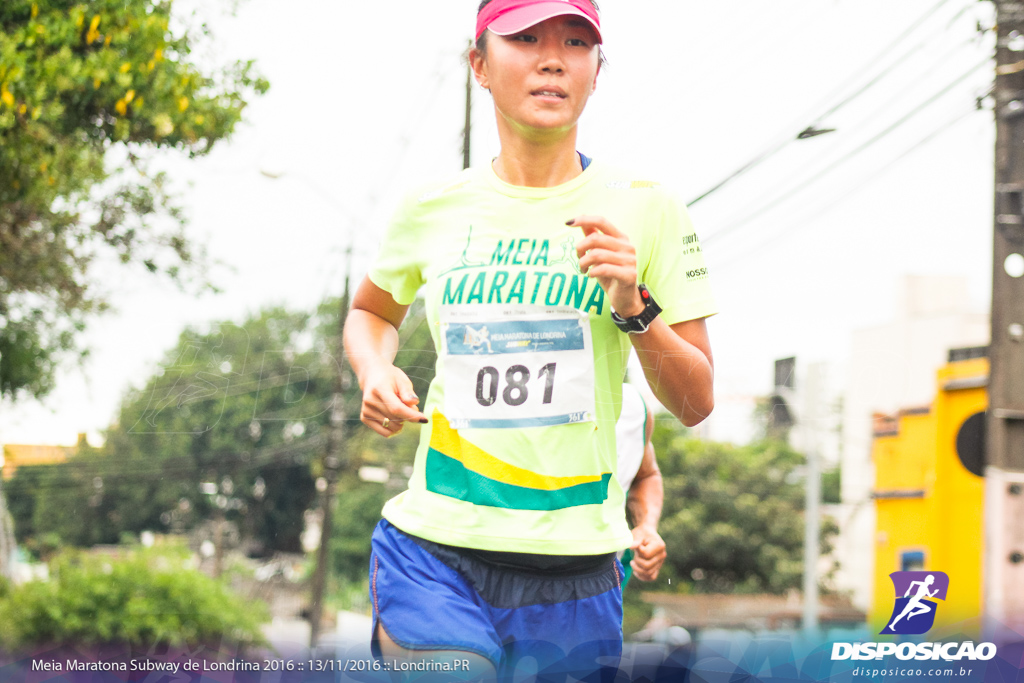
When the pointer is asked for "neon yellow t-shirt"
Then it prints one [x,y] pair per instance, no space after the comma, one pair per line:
[519,454]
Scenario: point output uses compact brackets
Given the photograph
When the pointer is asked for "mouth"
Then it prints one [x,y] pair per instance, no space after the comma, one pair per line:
[556,93]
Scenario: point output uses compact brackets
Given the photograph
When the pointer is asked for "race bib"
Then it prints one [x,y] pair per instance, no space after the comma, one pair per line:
[514,366]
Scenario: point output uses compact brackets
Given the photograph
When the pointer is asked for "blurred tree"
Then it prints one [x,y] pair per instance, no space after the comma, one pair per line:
[89,91]
[732,520]
[241,407]
[238,408]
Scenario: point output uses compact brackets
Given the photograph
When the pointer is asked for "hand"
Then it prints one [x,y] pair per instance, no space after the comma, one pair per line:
[648,553]
[389,401]
[606,254]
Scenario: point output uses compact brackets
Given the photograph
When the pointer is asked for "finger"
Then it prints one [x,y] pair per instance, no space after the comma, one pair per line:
[597,256]
[643,573]
[611,271]
[645,563]
[597,240]
[404,390]
[394,408]
[386,427]
[591,223]
[376,426]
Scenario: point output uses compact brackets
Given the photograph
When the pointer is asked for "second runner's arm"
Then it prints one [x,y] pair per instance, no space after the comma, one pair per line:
[644,501]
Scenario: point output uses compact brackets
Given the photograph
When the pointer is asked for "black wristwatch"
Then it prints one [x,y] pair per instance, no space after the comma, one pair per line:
[638,324]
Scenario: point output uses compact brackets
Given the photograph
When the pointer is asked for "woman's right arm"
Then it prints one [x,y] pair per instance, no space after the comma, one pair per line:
[371,343]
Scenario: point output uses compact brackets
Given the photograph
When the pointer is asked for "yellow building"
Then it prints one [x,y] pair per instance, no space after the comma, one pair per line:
[23,455]
[929,495]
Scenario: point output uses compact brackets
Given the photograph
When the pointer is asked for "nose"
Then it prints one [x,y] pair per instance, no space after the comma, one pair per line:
[551,56]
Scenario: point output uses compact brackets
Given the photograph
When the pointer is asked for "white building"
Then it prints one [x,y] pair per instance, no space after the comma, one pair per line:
[892,366]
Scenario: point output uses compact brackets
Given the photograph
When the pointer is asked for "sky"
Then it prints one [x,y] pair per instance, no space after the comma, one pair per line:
[366,103]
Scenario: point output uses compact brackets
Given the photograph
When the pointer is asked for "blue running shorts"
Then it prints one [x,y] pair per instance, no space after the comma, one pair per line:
[554,621]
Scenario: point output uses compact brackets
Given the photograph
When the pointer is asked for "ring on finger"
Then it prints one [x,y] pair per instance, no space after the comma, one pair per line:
[385,422]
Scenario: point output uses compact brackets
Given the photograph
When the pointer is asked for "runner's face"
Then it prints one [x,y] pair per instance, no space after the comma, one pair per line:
[542,77]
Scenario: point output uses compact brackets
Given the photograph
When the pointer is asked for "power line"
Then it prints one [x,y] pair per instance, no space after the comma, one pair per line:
[775,149]
[828,206]
[818,175]
[884,108]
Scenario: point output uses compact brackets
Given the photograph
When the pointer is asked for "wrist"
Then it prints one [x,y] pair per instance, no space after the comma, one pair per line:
[371,370]
[638,322]
[635,308]
[646,528]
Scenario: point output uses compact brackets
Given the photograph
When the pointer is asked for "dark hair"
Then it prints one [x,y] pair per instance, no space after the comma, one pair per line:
[481,42]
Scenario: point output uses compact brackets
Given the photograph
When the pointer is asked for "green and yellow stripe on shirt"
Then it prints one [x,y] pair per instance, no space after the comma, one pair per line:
[462,470]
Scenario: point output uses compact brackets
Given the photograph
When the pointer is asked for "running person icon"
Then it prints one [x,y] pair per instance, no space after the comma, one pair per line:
[503,546]
[915,607]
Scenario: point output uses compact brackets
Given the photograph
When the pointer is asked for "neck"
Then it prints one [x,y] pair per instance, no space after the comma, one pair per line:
[544,159]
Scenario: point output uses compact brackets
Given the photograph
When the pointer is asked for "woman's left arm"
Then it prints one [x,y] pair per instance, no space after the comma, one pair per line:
[677,358]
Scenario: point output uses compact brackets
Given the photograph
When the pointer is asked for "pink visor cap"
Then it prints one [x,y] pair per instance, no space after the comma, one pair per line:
[505,17]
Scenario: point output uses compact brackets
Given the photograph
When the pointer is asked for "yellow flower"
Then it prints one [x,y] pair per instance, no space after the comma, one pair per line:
[93,33]
[121,107]
[6,97]
[200,120]
[35,10]
[129,96]
[126,67]
[158,54]
[182,103]
[22,109]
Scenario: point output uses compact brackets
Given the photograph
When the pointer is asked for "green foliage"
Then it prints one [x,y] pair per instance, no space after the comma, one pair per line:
[635,612]
[831,486]
[143,599]
[732,519]
[88,92]
[356,514]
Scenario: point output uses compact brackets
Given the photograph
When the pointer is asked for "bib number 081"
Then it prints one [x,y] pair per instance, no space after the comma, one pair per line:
[516,391]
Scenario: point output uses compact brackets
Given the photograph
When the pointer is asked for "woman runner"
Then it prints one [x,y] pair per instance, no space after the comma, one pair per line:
[539,270]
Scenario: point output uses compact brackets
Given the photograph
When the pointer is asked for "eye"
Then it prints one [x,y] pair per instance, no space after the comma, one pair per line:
[577,42]
[524,37]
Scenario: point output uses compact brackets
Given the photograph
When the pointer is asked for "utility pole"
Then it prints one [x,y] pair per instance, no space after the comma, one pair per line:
[1004,472]
[335,456]
[468,129]
[811,418]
